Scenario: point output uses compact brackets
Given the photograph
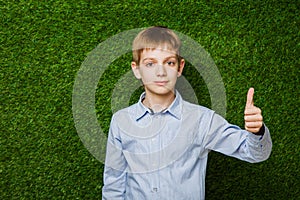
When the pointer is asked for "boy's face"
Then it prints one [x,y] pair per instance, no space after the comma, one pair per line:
[158,69]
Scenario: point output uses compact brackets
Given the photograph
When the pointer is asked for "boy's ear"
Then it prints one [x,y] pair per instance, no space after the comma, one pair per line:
[135,69]
[180,67]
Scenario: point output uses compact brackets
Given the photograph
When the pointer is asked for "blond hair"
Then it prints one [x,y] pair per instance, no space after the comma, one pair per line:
[155,37]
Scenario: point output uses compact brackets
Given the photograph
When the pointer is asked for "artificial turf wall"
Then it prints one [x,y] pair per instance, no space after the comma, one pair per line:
[43,44]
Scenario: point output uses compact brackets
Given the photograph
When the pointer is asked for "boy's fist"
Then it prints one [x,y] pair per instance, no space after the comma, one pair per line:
[253,117]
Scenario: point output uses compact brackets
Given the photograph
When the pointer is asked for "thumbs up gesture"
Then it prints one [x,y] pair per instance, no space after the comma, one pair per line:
[253,117]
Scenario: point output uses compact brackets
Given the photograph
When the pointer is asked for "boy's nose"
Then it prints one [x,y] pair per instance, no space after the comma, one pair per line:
[160,70]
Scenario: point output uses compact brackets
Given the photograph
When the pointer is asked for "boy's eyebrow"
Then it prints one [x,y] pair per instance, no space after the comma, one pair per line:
[170,57]
[167,58]
[148,59]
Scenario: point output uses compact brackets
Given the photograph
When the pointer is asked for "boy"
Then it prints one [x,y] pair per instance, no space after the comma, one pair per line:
[158,147]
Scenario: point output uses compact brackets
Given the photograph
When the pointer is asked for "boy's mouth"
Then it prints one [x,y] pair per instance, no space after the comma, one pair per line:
[161,83]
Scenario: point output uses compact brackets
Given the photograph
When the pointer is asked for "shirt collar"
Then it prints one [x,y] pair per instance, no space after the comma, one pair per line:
[174,109]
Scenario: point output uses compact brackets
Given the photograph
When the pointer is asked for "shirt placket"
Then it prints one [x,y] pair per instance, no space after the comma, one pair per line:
[155,162]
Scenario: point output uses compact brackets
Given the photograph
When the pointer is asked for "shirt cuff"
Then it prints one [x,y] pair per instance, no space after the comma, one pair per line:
[261,130]
[258,137]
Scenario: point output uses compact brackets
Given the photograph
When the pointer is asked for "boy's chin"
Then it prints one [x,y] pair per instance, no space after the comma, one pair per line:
[160,91]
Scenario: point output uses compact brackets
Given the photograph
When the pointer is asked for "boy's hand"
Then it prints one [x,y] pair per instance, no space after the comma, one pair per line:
[253,117]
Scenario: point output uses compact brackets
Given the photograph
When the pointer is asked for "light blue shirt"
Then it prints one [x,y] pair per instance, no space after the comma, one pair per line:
[164,155]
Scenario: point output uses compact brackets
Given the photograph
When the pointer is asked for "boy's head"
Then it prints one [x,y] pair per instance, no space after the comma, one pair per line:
[153,38]
[156,60]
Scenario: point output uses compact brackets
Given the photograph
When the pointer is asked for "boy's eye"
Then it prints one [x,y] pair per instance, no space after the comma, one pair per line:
[171,63]
[149,64]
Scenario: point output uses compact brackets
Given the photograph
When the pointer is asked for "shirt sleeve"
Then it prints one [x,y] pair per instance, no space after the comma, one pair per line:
[115,167]
[233,141]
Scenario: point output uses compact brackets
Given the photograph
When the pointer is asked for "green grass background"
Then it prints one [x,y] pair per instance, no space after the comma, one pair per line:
[253,43]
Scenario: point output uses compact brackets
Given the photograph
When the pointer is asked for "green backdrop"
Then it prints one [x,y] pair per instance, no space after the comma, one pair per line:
[253,43]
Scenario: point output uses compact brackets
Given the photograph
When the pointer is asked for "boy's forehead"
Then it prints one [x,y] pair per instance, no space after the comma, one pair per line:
[161,50]
[157,54]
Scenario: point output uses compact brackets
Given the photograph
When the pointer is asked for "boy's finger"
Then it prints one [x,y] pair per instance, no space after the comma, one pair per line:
[252,118]
[250,95]
[252,110]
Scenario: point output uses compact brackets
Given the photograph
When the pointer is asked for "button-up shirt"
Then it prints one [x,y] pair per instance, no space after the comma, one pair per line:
[164,155]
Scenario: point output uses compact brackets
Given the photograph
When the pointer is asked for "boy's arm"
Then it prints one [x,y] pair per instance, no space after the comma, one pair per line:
[115,167]
[253,144]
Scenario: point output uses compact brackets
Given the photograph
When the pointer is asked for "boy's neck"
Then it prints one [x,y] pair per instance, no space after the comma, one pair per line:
[158,103]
